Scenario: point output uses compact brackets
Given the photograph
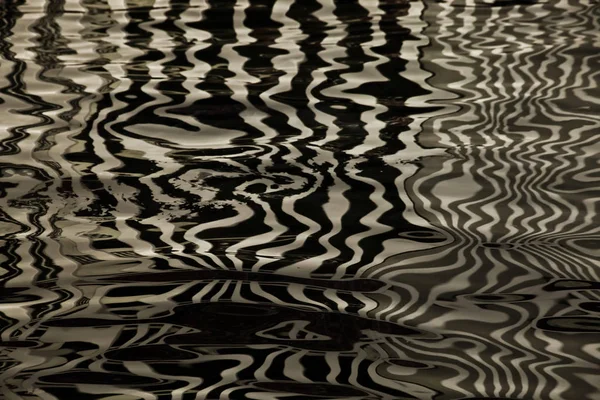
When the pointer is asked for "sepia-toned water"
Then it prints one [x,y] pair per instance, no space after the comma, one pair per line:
[299,199]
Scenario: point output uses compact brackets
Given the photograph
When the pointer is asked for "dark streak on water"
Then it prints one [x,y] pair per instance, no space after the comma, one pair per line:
[260,199]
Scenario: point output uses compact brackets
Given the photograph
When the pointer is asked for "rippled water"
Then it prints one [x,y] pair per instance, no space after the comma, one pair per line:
[260,199]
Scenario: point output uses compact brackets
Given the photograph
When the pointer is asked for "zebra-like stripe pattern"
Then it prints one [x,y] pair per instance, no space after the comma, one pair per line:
[265,199]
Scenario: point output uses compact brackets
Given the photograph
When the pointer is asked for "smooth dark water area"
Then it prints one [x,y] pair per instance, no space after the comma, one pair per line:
[299,199]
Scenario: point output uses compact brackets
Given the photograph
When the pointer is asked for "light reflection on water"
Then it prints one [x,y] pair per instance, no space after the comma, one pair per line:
[264,199]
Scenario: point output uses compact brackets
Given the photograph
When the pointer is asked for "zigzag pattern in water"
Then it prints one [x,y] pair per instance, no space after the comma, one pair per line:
[299,199]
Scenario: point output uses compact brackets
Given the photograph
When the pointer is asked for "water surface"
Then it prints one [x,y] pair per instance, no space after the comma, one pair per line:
[315,199]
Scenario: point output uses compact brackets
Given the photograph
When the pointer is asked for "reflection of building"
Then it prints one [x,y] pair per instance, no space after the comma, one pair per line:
[515,119]
[163,158]
[125,166]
